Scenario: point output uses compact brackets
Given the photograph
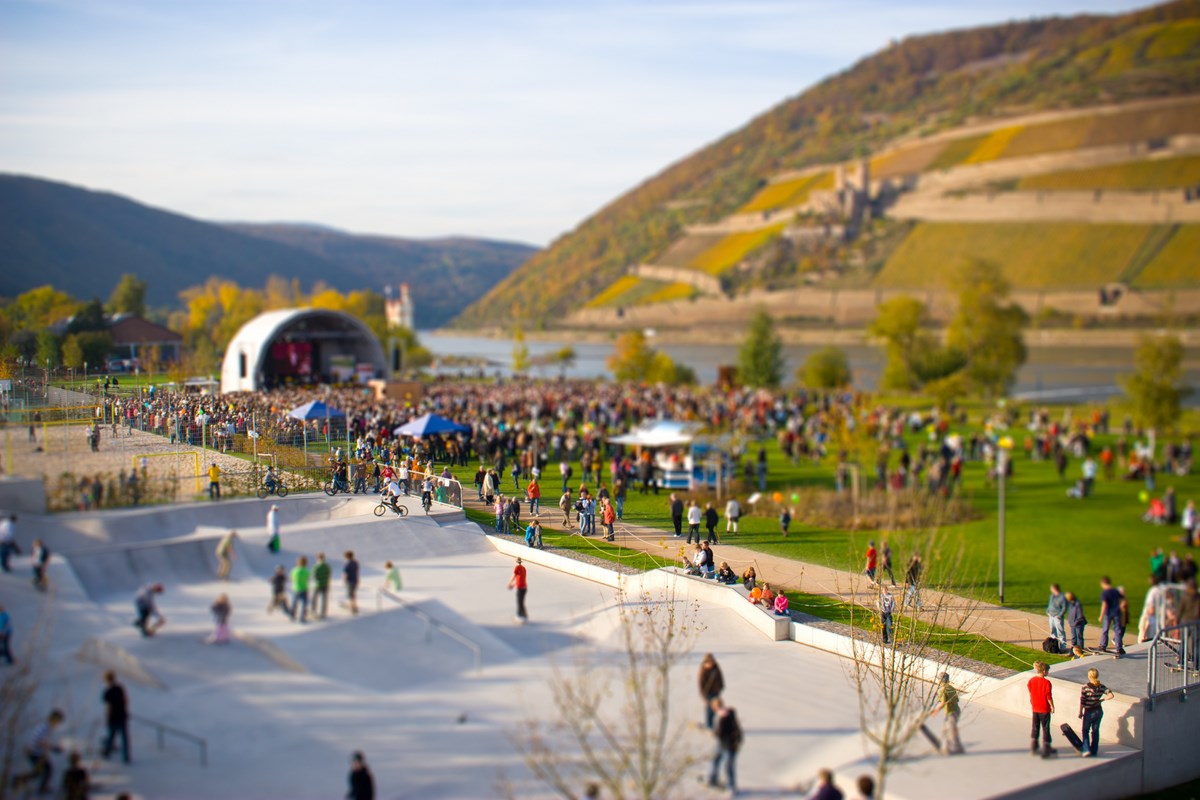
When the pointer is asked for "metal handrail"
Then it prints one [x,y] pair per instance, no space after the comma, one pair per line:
[1174,662]
[430,624]
[162,730]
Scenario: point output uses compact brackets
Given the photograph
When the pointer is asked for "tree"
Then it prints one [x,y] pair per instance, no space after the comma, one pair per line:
[827,368]
[760,360]
[565,358]
[89,318]
[72,353]
[128,296]
[1156,388]
[900,324]
[621,739]
[48,349]
[987,332]
[897,682]
[520,351]
[41,307]
[633,359]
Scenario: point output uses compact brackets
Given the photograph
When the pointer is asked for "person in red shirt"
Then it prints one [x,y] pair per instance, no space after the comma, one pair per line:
[519,583]
[1041,701]
[872,561]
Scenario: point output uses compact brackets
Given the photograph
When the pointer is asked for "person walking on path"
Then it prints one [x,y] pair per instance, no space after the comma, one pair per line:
[225,555]
[710,524]
[38,749]
[321,574]
[116,716]
[1110,617]
[273,544]
[676,514]
[608,516]
[1091,712]
[534,492]
[1041,703]
[733,512]
[279,591]
[40,555]
[947,699]
[350,579]
[300,575]
[5,636]
[8,541]
[872,562]
[146,608]
[887,607]
[912,577]
[729,740]
[1056,613]
[694,516]
[886,552]
[519,582]
[1076,619]
[221,611]
[214,481]
[712,683]
[362,785]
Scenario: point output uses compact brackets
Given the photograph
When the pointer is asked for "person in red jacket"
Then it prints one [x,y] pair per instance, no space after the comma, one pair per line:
[519,583]
[1041,701]
[608,516]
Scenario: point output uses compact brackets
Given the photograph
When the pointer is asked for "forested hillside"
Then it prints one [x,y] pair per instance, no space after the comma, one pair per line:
[922,85]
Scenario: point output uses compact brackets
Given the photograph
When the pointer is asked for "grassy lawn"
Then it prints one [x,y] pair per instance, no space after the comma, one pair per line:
[1030,254]
[1050,537]
[1163,173]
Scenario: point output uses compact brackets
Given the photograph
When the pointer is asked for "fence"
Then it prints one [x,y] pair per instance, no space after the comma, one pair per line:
[1174,664]
[162,731]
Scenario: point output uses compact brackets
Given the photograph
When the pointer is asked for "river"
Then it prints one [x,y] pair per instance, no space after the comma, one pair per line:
[1051,373]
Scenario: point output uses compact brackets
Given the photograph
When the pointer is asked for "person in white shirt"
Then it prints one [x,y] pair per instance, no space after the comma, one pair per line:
[693,519]
[404,477]
[8,541]
[733,510]
[391,494]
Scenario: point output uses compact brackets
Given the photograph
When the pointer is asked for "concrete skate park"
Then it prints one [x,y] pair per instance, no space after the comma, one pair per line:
[431,684]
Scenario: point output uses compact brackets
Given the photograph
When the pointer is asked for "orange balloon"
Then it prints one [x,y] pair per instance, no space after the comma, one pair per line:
[778,497]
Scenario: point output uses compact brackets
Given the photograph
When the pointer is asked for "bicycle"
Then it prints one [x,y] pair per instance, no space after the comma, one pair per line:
[279,490]
[384,507]
[336,485]
[426,501]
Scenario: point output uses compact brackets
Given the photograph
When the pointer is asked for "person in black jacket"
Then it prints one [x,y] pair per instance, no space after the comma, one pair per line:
[729,740]
[116,708]
[712,683]
[362,785]
[710,524]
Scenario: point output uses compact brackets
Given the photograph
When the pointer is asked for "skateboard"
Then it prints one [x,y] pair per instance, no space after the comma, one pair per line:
[1069,734]
[933,740]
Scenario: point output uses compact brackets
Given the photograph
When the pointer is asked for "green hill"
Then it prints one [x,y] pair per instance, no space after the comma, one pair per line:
[921,86]
[82,241]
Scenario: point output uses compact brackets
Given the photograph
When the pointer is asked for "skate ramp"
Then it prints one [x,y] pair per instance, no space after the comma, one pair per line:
[108,572]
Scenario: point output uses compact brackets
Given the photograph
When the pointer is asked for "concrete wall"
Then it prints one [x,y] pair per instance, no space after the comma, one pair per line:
[700,280]
[22,495]
[1169,751]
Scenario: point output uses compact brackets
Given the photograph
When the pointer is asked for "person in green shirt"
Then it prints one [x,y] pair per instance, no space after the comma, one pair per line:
[948,702]
[320,595]
[300,575]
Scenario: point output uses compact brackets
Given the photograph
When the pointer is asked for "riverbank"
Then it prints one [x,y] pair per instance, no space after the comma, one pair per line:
[842,337]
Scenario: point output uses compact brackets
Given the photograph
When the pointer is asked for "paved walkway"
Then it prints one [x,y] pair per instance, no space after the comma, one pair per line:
[1000,624]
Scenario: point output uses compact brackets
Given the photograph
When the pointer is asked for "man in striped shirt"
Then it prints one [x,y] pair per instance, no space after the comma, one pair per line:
[1090,711]
[37,750]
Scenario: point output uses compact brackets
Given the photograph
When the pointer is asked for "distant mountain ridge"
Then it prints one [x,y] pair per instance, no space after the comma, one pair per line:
[81,241]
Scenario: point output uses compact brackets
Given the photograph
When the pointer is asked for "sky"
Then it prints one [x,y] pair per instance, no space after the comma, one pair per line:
[512,119]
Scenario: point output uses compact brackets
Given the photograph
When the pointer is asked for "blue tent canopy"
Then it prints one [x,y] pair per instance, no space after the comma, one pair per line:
[315,409]
[428,425]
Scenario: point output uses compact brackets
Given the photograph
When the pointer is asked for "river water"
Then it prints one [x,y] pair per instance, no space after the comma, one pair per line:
[1066,374]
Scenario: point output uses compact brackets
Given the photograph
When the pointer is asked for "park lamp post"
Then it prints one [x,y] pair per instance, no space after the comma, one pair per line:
[1003,450]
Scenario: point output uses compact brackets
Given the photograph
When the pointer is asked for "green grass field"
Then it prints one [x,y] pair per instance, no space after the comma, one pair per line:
[733,248]
[1163,173]
[1031,254]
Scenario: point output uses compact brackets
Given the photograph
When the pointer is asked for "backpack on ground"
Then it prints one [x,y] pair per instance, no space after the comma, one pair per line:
[1050,645]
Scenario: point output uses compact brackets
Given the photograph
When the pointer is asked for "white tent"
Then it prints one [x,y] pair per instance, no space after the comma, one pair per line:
[657,433]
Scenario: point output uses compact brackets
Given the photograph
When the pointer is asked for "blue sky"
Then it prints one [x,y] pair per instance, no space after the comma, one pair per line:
[509,119]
